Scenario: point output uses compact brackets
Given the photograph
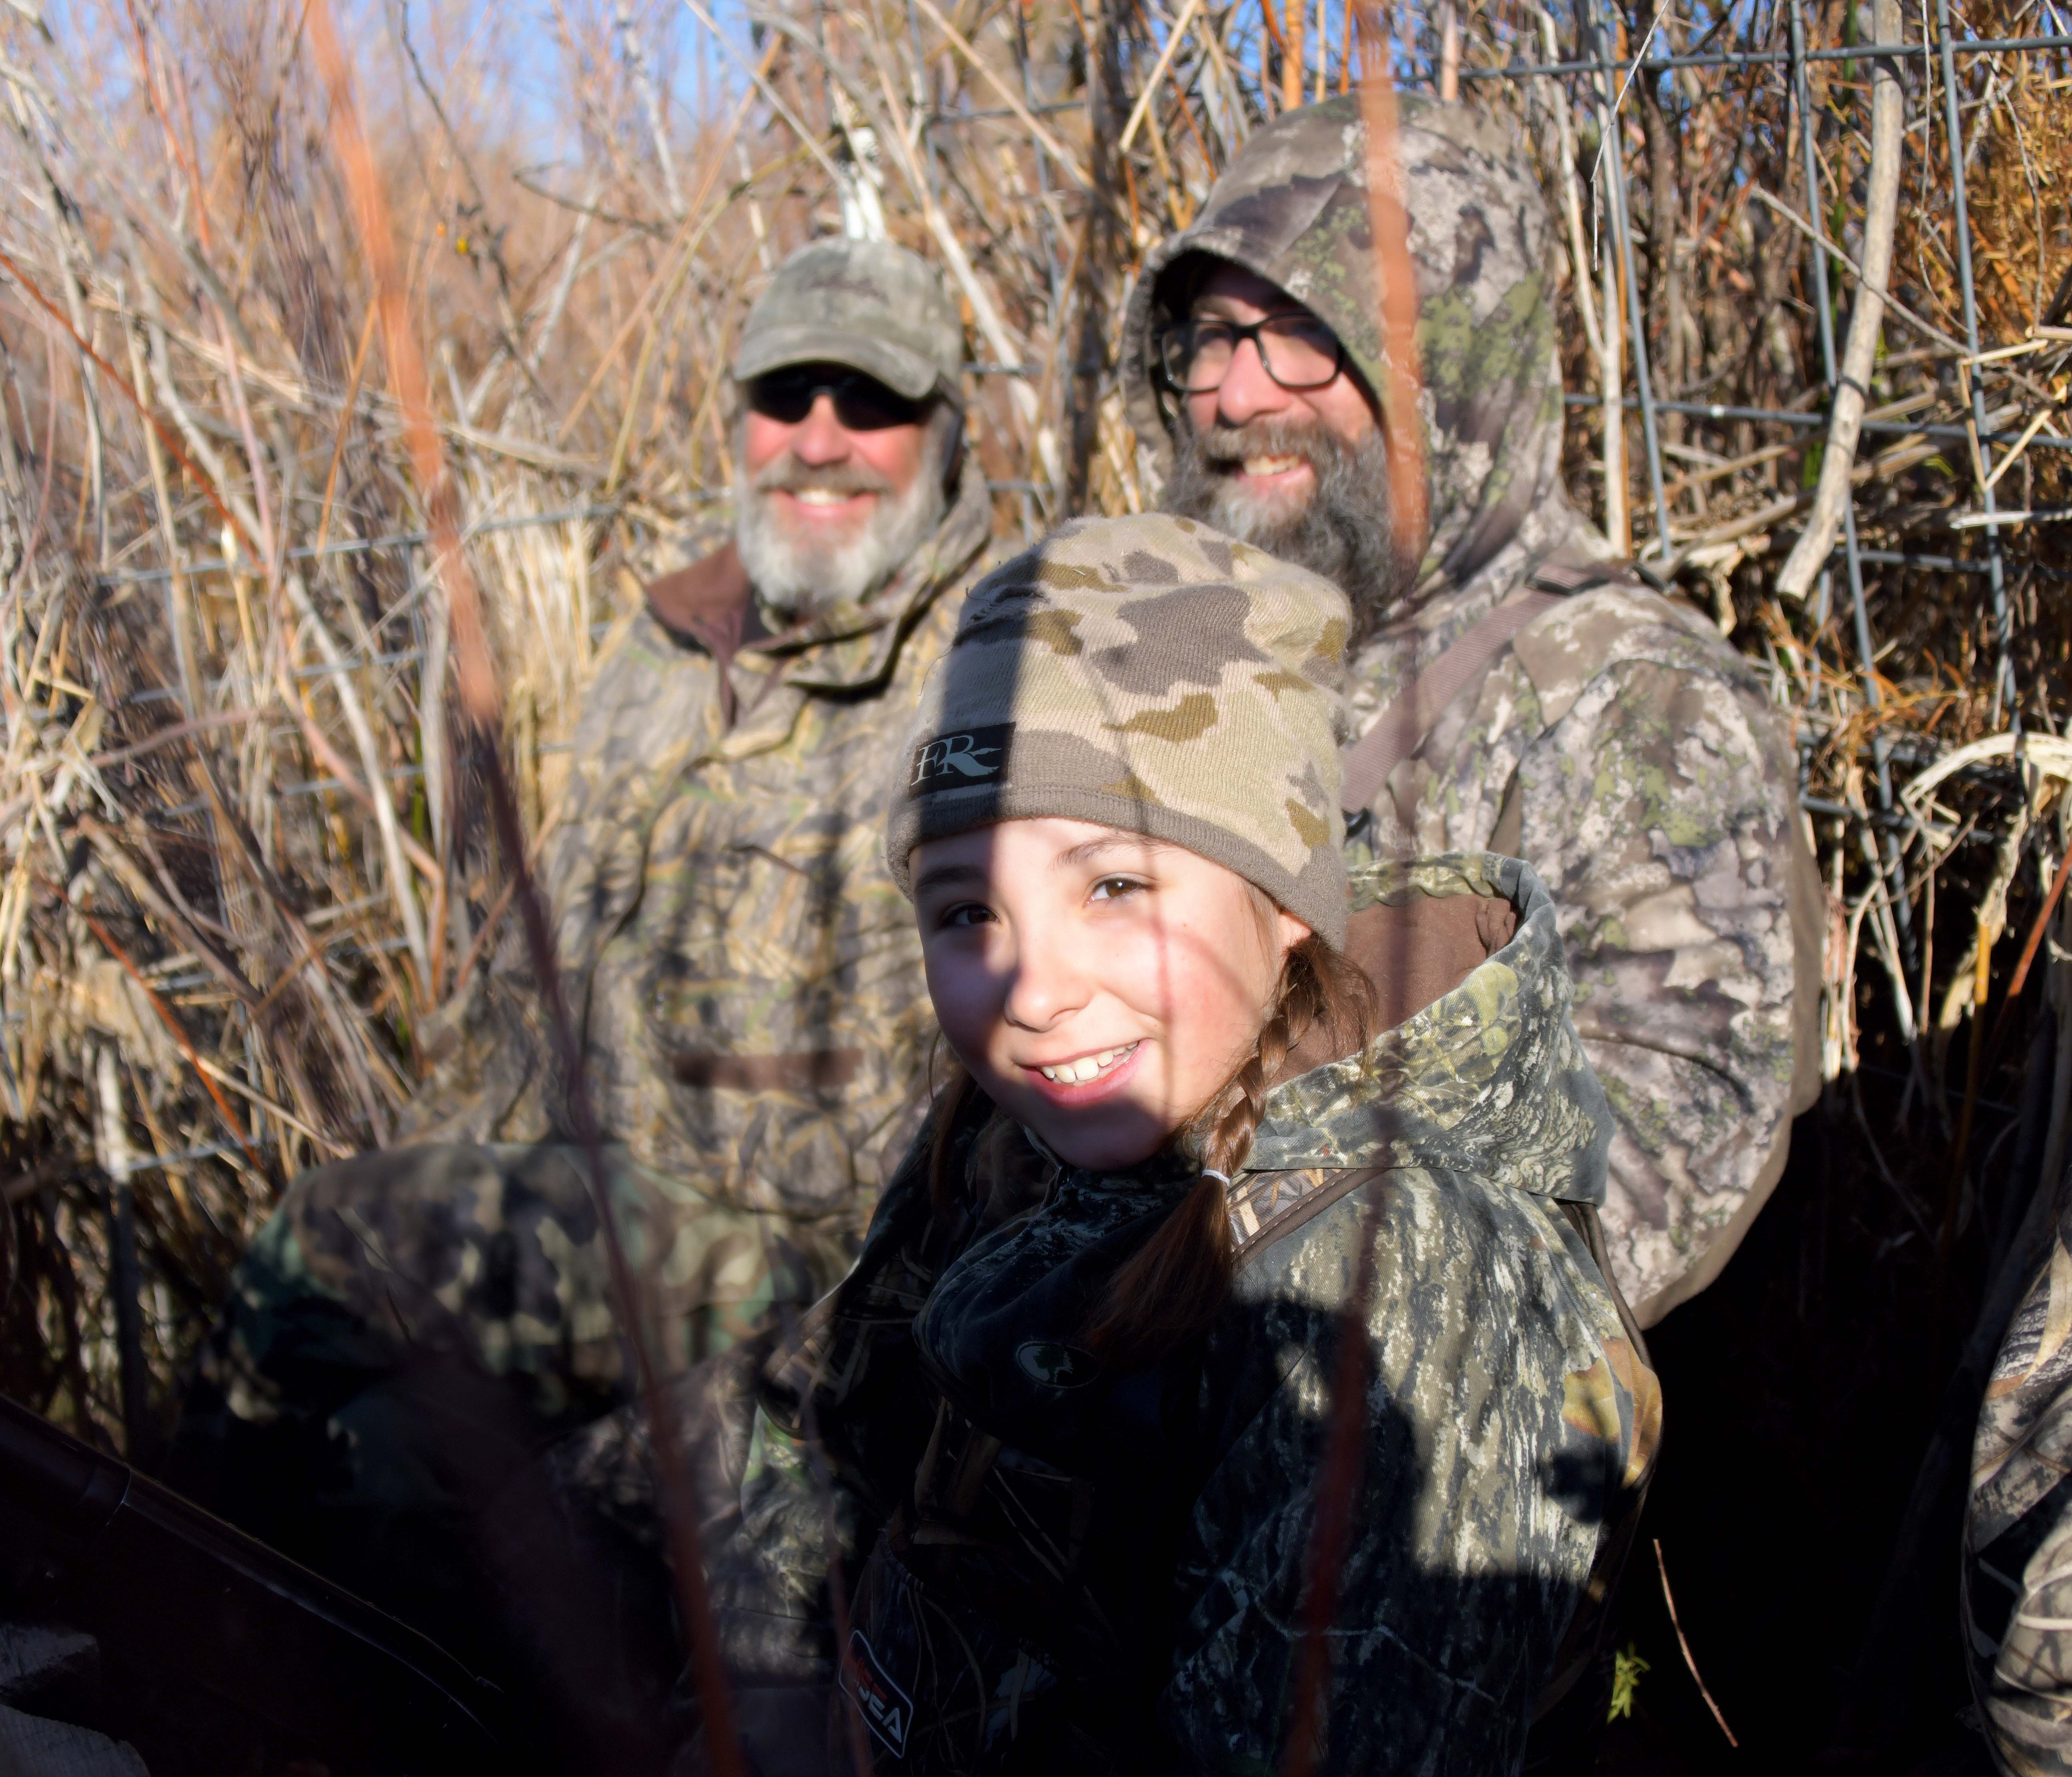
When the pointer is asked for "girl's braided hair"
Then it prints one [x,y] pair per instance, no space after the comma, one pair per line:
[1178,1280]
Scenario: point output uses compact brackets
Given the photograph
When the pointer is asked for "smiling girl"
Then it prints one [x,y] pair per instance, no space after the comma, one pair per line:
[1073,1398]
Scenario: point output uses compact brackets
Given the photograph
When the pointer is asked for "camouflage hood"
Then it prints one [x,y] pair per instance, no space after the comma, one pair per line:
[1488,1079]
[1291,207]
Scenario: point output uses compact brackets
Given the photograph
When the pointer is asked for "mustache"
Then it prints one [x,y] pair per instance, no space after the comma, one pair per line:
[1316,445]
[789,475]
[1345,531]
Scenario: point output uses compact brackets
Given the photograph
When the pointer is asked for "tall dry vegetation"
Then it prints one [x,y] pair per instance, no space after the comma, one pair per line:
[245,869]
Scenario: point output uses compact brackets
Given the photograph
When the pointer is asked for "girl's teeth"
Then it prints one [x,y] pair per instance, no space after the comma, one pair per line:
[1072,1073]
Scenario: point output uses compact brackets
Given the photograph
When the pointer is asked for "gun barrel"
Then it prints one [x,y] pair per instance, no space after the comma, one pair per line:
[204,1633]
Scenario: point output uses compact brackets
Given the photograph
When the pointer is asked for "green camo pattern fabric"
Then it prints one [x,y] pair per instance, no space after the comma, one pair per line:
[2017,1573]
[1492,1071]
[1510,1425]
[1620,744]
[1149,674]
[1632,757]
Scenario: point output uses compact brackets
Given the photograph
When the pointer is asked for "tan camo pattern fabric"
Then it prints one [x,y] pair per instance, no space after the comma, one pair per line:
[1149,674]
[2017,1572]
[746,972]
[1621,746]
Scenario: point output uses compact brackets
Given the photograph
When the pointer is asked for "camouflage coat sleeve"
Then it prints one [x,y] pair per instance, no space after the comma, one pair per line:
[1501,1422]
[853,1353]
[2017,1572]
[1658,803]
[770,1585]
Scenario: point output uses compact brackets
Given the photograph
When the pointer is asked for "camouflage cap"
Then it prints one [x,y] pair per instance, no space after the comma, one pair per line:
[868,304]
[1151,675]
[1291,207]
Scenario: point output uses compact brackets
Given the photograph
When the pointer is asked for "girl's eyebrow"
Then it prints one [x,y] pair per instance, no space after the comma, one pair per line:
[946,875]
[1089,851]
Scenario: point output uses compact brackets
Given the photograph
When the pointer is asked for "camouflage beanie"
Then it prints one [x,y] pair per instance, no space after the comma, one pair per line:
[1151,675]
[1291,208]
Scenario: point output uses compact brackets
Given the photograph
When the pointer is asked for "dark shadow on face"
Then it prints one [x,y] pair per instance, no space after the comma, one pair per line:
[1101,986]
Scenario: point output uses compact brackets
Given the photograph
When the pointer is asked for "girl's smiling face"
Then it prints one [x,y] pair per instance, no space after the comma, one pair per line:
[1101,986]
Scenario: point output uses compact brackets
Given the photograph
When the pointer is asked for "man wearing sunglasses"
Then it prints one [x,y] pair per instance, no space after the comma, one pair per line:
[743,971]
[1519,690]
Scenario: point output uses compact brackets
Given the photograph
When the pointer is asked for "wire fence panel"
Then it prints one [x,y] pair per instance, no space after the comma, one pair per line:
[224,673]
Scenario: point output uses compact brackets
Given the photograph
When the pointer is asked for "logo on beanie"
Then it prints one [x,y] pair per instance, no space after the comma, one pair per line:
[950,762]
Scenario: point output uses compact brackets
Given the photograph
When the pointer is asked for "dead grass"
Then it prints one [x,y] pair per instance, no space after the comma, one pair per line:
[244,867]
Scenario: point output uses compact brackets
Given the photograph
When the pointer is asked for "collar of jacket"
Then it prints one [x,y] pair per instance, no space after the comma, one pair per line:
[1169,1172]
[851,646]
[1489,1078]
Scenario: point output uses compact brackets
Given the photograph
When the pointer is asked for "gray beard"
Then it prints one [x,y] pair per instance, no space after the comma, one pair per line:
[804,576]
[1346,532]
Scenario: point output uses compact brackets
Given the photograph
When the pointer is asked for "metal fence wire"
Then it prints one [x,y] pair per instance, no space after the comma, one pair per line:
[1597,83]
[1598,79]
[243,887]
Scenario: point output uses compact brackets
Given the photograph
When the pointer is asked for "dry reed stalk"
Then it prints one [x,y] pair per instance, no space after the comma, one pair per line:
[482,704]
[235,845]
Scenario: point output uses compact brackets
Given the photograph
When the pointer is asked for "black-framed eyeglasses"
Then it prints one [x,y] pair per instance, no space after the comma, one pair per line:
[862,404]
[1298,352]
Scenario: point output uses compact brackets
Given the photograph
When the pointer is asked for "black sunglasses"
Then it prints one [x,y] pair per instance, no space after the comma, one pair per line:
[862,404]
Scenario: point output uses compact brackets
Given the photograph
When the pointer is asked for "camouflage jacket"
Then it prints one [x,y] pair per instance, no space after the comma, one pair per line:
[1071,1569]
[1619,745]
[2016,1571]
[1625,751]
[745,976]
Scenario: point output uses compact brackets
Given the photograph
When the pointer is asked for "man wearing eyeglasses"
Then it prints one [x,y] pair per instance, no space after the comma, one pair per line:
[1518,691]
[743,972]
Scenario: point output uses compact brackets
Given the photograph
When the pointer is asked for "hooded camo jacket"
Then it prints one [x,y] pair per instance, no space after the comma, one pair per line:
[1052,1567]
[746,978]
[1619,744]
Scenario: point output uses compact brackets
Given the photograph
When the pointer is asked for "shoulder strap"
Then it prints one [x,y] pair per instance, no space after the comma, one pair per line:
[1264,1206]
[1394,735]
